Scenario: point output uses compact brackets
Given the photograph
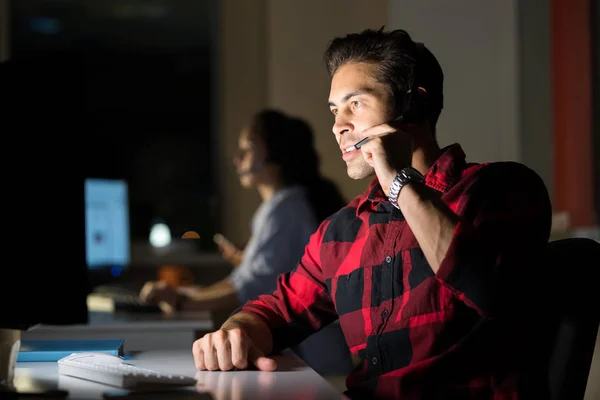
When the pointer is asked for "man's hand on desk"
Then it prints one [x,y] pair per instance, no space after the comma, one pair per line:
[228,349]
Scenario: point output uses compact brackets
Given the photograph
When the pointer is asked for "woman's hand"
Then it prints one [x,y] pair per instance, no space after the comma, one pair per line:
[229,251]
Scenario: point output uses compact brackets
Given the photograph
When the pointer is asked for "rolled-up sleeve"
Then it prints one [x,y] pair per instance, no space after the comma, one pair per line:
[505,221]
[301,304]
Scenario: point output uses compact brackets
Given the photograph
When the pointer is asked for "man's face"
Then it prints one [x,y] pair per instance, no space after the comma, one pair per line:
[358,102]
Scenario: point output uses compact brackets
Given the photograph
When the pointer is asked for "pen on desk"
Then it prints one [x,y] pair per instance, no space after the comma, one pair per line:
[359,144]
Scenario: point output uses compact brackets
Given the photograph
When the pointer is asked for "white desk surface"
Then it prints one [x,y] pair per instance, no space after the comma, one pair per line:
[292,380]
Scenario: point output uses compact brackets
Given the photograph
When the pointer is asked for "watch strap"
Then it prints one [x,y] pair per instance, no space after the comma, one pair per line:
[405,176]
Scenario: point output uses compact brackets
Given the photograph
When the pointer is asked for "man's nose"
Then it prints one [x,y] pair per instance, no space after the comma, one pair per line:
[342,126]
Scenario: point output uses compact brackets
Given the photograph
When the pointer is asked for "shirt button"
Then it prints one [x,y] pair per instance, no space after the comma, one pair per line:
[374,360]
[388,259]
[384,313]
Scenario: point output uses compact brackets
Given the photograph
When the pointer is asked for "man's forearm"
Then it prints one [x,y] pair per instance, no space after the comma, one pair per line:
[430,219]
[255,328]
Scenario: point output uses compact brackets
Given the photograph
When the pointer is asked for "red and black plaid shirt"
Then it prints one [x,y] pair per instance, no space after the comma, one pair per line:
[454,334]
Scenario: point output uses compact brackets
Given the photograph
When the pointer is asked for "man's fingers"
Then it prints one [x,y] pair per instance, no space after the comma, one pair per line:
[199,360]
[239,349]
[223,350]
[265,364]
[258,359]
[224,357]
[370,148]
[198,355]
[378,130]
[210,354]
[217,351]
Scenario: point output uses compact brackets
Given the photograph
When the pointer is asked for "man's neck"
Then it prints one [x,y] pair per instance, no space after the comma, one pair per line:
[425,155]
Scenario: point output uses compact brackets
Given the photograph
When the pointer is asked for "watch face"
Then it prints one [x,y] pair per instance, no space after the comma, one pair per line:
[412,175]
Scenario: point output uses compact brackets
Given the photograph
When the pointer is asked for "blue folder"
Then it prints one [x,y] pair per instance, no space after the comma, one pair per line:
[54,350]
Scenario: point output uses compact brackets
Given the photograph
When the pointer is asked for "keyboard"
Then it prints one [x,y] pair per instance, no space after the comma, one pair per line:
[114,371]
[108,301]
[132,303]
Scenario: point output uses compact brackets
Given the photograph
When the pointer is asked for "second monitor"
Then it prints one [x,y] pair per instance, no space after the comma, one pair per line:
[108,242]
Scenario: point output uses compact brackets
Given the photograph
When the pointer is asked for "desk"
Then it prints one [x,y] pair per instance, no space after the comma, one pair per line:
[141,332]
[292,380]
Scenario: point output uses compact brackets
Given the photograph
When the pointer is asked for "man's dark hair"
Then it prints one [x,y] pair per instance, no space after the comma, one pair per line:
[398,62]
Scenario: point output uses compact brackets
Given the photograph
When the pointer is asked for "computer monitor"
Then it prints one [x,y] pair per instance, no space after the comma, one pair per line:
[107,238]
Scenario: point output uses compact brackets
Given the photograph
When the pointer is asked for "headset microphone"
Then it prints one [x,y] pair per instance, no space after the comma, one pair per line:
[254,168]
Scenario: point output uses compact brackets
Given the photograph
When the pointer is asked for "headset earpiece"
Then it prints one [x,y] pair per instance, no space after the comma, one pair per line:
[415,104]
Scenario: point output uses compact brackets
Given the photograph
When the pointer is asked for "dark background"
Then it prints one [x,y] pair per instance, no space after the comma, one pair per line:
[595,23]
[135,79]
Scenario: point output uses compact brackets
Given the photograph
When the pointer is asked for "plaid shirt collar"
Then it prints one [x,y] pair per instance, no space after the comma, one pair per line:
[442,175]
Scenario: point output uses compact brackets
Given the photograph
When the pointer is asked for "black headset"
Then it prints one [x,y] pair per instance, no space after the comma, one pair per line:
[254,168]
[414,105]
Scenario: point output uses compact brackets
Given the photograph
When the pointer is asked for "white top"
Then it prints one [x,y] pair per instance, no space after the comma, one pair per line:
[280,230]
[303,383]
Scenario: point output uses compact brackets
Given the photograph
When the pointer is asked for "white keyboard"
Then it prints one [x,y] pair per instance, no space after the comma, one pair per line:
[112,370]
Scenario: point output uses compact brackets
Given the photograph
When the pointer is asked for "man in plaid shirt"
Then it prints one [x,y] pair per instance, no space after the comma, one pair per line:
[429,271]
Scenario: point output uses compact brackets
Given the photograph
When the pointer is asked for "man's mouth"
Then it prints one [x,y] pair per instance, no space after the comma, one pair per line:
[347,155]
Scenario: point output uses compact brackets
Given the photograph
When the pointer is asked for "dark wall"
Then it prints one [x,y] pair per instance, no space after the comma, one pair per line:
[595,23]
[42,193]
[140,84]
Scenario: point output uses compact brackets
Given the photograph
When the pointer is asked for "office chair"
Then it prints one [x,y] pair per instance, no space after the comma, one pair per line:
[574,311]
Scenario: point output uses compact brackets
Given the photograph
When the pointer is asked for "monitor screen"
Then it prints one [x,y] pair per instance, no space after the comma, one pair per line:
[107,236]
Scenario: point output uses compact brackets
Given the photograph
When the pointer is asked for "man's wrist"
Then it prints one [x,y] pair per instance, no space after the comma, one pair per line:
[405,177]
[254,326]
[408,192]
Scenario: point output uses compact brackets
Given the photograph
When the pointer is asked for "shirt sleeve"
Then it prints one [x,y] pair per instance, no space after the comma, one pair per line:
[504,226]
[301,304]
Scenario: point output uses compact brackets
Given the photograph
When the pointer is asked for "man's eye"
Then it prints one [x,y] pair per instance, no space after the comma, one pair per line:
[356,104]
[334,111]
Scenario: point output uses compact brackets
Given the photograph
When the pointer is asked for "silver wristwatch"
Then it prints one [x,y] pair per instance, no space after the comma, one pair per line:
[406,175]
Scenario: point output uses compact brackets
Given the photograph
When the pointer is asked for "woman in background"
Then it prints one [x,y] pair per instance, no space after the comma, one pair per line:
[276,157]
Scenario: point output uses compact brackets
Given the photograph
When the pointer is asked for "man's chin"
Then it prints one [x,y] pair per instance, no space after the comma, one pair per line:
[360,173]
